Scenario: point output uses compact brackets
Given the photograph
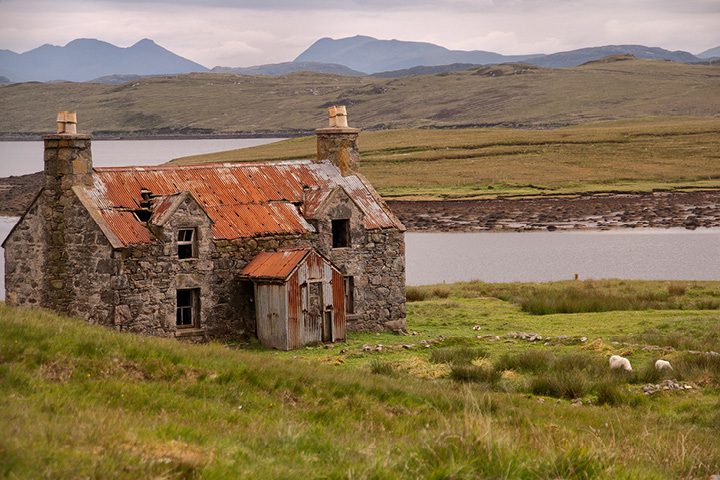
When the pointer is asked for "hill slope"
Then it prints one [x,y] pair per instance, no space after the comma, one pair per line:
[86,59]
[638,155]
[512,95]
[583,55]
[286,68]
[80,401]
[710,53]
[371,55]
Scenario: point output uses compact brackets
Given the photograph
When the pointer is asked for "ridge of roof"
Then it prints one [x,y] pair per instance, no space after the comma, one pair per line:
[200,166]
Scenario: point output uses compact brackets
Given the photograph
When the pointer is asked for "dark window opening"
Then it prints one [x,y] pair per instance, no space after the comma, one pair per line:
[341,233]
[143,215]
[188,308]
[186,243]
[349,294]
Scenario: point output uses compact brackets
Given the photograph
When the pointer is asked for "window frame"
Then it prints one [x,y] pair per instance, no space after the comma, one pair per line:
[193,308]
[340,238]
[192,243]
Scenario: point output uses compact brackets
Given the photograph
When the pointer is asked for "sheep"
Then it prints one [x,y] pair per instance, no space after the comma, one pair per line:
[661,365]
[620,363]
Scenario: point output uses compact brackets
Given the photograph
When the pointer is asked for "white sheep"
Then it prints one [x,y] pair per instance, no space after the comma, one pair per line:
[620,363]
[661,365]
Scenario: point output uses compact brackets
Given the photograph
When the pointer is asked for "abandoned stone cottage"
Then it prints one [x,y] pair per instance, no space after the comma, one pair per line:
[294,252]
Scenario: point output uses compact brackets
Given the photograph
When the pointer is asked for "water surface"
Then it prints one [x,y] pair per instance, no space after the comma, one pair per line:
[542,256]
[649,254]
[20,158]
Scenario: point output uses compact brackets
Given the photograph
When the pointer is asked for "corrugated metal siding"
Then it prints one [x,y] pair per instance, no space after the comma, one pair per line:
[300,327]
[295,315]
[271,315]
[339,317]
[242,199]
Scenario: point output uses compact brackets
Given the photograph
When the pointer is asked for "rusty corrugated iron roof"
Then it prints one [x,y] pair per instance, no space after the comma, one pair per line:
[274,265]
[241,199]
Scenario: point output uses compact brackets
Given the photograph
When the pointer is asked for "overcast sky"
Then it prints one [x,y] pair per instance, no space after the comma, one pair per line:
[250,32]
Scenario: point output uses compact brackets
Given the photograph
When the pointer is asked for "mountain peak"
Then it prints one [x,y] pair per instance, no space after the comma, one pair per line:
[85,59]
[145,42]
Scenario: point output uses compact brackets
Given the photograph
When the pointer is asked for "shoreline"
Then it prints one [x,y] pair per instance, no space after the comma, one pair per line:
[34,137]
[688,210]
[587,212]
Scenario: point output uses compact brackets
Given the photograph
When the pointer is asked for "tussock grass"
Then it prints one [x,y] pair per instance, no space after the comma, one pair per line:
[699,367]
[475,373]
[596,295]
[457,355]
[78,399]
[570,384]
[690,336]
[379,367]
[527,361]
[417,294]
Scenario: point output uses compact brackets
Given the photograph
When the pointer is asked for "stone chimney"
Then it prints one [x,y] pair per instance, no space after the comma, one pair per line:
[338,142]
[68,163]
[68,158]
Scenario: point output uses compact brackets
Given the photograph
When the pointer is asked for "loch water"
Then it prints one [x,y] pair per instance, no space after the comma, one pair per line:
[645,254]
[21,158]
[651,254]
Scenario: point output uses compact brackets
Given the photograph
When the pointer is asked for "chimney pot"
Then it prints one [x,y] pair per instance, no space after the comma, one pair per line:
[67,123]
[337,117]
[338,142]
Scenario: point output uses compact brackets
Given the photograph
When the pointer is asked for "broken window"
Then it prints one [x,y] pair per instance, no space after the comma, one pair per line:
[341,233]
[186,243]
[349,294]
[188,308]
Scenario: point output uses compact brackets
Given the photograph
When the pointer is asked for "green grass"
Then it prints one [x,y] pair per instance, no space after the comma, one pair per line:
[590,295]
[620,156]
[84,401]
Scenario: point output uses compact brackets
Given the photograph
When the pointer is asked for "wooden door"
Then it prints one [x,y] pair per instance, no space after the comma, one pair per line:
[327,326]
[315,307]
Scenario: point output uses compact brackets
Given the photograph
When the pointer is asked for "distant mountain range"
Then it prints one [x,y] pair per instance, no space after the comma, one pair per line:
[370,55]
[85,60]
[710,53]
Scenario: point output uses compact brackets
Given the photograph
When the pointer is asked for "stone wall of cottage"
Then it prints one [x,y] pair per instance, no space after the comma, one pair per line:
[145,288]
[25,261]
[135,289]
[58,258]
[375,260]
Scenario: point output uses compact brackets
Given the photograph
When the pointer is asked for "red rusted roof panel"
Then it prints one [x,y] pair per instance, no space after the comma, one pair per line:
[127,227]
[241,199]
[274,265]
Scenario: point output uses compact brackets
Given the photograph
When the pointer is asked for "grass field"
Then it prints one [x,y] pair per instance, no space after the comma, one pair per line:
[80,401]
[509,95]
[628,155]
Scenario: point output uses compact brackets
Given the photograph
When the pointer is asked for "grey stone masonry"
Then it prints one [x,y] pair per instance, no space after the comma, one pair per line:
[64,254]
[339,145]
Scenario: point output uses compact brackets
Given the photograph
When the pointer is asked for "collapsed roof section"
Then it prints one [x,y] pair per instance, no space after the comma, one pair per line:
[242,199]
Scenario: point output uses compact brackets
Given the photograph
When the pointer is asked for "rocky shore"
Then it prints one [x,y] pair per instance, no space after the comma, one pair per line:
[689,210]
